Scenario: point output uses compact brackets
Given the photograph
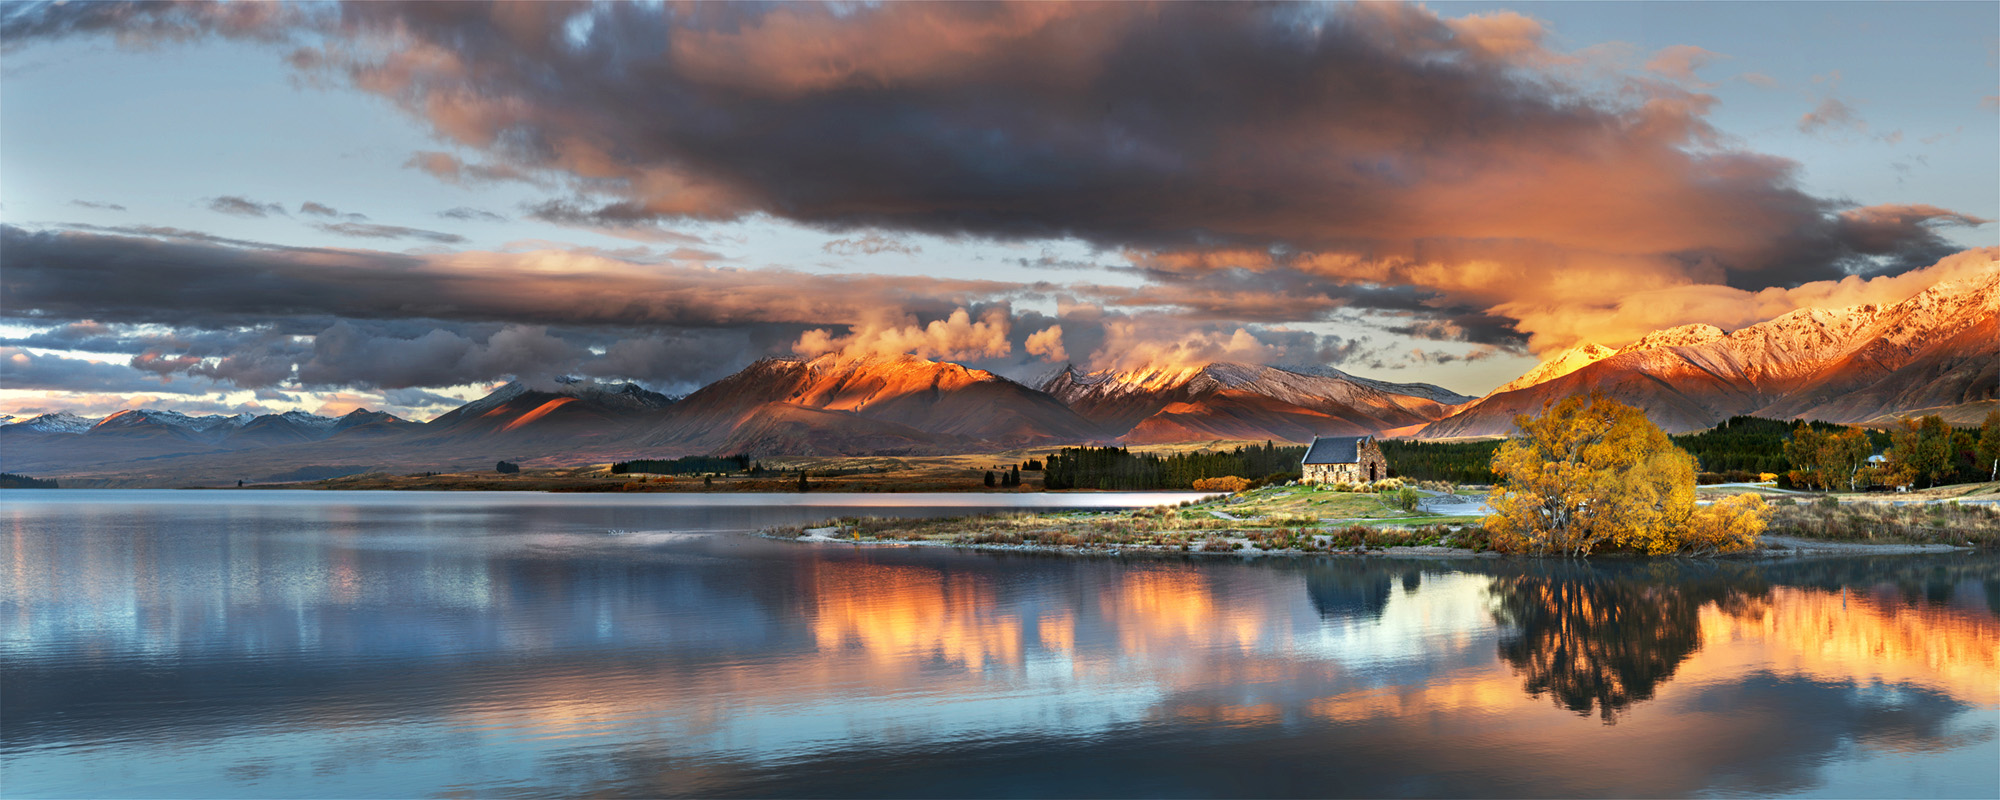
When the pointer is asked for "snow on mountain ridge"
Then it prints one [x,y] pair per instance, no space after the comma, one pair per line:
[1851,364]
[58,422]
[1677,336]
[1564,363]
[175,419]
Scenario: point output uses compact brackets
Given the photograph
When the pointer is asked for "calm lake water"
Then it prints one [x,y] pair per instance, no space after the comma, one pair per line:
[268,644]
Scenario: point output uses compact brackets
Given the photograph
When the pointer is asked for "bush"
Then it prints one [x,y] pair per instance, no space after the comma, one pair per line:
[1227,483]
[1406,498]
[507,468]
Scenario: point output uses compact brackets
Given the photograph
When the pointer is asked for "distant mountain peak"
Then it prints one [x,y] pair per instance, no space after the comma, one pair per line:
[1232,400]
[1678,336]
[1561,364]
[57,422]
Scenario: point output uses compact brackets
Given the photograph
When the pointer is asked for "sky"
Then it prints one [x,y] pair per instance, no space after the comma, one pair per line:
[251,207]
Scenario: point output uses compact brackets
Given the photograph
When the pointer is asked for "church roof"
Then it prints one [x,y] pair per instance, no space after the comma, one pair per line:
[1335,450]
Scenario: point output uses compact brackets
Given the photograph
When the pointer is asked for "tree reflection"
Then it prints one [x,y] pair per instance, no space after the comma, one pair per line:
[1598,639]
[1357,589]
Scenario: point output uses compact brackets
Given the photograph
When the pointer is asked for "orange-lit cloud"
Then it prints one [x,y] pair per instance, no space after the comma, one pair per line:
[957,337]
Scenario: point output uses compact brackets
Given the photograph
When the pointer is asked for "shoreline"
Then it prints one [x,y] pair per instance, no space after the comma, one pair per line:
[1770,548]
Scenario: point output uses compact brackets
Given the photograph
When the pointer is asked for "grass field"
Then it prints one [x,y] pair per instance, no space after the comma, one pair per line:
[1295,518]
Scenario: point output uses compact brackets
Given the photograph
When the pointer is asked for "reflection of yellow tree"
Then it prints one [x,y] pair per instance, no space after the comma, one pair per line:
[1594,642]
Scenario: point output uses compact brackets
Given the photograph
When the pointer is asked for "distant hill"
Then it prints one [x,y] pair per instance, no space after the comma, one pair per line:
[1243,402]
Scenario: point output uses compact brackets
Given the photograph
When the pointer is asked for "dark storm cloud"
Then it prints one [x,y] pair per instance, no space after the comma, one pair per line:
[1172,126]
[72,275]
[348,355]
[242,207]
[20,369]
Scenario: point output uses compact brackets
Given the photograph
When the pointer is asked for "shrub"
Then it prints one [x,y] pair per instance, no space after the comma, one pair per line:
[1228,483]
[1406,498]
[506,468]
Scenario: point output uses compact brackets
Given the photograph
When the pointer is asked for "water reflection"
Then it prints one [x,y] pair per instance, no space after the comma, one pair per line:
[1604,638]
[391,651]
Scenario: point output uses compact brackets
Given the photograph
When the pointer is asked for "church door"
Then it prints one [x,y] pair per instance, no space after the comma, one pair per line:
[1371,472]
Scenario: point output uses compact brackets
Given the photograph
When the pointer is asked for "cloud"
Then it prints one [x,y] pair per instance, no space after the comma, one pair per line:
[621,220]
[1832,114]
[1256,165]
[1045,120]
[241,207]
[24,370]
[366,230]
[470,214]
[450,169]
[1048,344]
[1642,311]
[347,355]
[1679,63]
[312,209]
[957,337]
[870,244]
[97,206]
[72,275]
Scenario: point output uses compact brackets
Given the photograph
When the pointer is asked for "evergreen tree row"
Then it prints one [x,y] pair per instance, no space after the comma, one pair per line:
[688,464]
[1117,468]
[1455,462]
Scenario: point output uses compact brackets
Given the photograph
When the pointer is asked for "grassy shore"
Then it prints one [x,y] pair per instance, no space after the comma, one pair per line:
[1290,519]
[1309,519]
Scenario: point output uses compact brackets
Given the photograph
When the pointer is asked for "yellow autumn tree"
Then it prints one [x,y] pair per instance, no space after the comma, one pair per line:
[1591,473]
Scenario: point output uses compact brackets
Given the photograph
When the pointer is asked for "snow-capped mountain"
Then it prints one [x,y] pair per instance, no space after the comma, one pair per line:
[1243,401]
[59,422]
[1936,352]
[834,405]
[149,422]
[1564,363]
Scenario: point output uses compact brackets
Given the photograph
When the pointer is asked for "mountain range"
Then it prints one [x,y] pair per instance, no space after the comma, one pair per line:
[1935,352]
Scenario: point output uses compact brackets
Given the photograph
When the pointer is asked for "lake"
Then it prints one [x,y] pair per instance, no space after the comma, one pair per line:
[323,644]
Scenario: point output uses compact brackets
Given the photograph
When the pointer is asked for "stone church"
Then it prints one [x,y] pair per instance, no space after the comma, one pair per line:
[1344,459]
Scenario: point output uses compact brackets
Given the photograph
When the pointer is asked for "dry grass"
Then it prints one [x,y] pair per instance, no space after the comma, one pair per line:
[1932,523]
